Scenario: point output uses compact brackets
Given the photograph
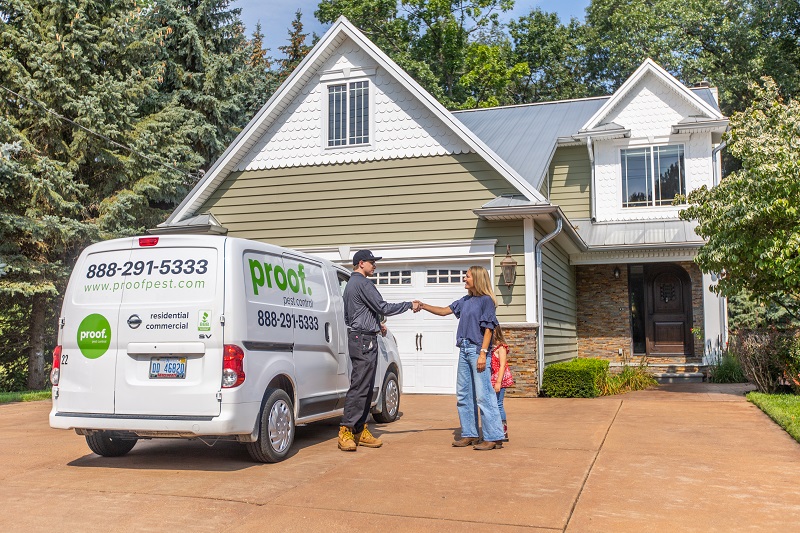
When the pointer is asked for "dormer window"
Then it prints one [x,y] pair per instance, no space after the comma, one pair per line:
[348,113]
[652,176]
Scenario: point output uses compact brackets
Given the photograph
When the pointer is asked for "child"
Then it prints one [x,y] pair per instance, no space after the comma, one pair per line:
[501,374]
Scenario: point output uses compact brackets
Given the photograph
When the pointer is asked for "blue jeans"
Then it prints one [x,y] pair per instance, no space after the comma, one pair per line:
[474,391]
[500,398]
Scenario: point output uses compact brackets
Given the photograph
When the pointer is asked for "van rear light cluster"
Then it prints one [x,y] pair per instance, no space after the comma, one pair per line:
[55,373]
[232,366]
[148,241]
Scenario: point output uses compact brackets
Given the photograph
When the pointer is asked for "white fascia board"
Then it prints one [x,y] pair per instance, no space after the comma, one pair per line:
[410,252]
[342,26]
[650,66]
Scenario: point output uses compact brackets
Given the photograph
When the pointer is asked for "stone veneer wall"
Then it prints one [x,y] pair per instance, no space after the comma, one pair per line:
[521,339]
[603,311]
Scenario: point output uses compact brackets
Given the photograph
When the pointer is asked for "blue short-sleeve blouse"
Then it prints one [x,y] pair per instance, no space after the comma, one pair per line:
[475,314]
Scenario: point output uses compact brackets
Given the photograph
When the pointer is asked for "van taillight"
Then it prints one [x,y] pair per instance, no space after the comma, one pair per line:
[148,241]
[55,373]
[232,366]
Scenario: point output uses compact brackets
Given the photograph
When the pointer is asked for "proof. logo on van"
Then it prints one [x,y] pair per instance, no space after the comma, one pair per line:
[262,273]
[94,336]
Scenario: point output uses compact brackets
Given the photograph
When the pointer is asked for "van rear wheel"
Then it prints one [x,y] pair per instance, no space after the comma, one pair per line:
[276,429]
[102,443]
[389,401]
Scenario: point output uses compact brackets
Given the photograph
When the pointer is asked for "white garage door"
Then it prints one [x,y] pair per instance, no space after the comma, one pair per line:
[427,342]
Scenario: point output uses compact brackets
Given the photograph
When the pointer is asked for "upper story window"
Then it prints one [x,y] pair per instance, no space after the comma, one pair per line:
[653,175]
[348,113]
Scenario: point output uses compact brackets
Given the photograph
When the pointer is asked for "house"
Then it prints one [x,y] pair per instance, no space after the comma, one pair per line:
[574,198]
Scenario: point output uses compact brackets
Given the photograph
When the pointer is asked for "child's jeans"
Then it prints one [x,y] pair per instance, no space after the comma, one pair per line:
[500,397]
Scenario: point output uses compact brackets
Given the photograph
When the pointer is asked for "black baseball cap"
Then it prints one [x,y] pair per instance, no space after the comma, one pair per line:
[364,255]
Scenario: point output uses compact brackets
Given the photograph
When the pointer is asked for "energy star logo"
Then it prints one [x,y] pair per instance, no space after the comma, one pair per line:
[94,336]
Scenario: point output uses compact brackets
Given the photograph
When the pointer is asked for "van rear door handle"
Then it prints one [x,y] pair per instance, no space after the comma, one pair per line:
[327,332]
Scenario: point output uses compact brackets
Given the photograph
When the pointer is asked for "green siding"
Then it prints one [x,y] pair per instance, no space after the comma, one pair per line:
[372,203]
[559,294]
[570,181]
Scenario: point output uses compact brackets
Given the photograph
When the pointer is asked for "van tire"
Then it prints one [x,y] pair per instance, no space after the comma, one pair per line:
[276,428]
[102,443]
[390,400]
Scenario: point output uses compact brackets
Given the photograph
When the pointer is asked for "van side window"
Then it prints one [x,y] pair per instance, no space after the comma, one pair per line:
[343,279]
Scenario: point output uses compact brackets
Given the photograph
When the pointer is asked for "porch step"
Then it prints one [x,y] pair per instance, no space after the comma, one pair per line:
[679,377]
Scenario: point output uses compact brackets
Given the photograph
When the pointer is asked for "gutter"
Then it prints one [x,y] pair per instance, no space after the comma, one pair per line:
[540,297]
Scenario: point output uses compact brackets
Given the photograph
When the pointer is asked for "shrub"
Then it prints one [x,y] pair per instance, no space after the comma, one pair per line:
[630,379]
[579,378]
[764,355]
[727,369]
[14,375]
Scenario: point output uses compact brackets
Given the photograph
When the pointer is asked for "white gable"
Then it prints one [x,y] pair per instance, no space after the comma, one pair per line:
[651,108]
[403,126]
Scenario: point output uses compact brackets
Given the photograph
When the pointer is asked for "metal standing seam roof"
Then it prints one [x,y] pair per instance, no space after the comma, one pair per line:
[525,136]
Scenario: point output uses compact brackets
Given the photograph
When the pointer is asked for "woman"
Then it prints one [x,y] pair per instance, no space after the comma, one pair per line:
[474,390]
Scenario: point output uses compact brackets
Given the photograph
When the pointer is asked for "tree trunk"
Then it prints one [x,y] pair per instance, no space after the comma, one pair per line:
[36,377]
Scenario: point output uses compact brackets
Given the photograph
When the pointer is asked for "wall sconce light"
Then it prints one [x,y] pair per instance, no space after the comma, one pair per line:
[616,272]
[509,268]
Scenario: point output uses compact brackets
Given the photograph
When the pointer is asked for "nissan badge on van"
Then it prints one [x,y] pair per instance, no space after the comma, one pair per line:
[189,336]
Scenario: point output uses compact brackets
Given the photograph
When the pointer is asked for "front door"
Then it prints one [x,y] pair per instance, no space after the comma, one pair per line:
[668,320]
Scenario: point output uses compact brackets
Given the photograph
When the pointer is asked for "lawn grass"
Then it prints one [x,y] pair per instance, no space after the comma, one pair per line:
[784,409]
[24,396]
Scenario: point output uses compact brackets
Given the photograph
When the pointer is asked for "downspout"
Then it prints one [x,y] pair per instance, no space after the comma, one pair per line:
[723,312]
[591,172]
[714,154]
[540,297]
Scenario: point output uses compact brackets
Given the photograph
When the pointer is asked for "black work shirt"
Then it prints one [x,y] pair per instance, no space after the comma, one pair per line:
[363,305]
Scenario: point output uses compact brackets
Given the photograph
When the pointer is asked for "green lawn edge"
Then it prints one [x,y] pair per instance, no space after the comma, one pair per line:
[24,396]
[784,409]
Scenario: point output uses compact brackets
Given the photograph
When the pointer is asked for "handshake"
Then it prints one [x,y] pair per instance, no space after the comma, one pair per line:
[417,306]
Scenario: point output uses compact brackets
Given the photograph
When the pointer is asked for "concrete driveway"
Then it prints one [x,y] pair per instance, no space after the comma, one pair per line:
[679,458]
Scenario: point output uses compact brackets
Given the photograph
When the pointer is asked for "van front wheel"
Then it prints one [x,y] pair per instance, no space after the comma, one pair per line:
[276,431]
[389,401]
[102,443]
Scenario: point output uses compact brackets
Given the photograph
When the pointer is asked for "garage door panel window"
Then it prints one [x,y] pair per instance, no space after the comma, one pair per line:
[444,276]
[392,277]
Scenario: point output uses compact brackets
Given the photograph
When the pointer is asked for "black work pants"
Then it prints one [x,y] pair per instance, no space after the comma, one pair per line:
[363,350]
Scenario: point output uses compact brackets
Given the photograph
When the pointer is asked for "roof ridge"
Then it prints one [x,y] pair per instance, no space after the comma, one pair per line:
[531,104]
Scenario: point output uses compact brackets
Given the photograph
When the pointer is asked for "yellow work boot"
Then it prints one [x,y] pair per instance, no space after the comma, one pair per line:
[365,438]
[346,441]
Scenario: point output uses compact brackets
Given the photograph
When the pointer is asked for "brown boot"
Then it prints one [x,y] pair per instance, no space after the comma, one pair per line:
[465,441]
[488,445]
[346,441]
[365,438]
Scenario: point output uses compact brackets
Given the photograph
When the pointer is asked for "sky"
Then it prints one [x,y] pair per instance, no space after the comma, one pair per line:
[276,16]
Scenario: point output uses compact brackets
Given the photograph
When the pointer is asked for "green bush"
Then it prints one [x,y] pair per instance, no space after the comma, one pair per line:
[579,378]
[727,369]
[769,357]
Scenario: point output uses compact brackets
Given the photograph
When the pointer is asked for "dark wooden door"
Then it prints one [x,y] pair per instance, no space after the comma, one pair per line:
[669,317]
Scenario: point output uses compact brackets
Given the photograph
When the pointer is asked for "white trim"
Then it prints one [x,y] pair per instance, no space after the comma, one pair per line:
[411,252]
[347,73]
[340,30]
[530,270]
[650,67]
[602,257]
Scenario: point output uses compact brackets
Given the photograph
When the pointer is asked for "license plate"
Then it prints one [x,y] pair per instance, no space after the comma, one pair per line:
[167,368]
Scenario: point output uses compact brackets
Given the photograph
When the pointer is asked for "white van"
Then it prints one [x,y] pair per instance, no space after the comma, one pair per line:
[190,336]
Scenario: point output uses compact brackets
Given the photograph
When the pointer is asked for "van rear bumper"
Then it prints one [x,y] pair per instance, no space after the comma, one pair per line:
[234,419]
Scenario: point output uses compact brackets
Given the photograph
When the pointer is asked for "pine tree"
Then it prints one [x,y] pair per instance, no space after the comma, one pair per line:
[295,51]
[98,64]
